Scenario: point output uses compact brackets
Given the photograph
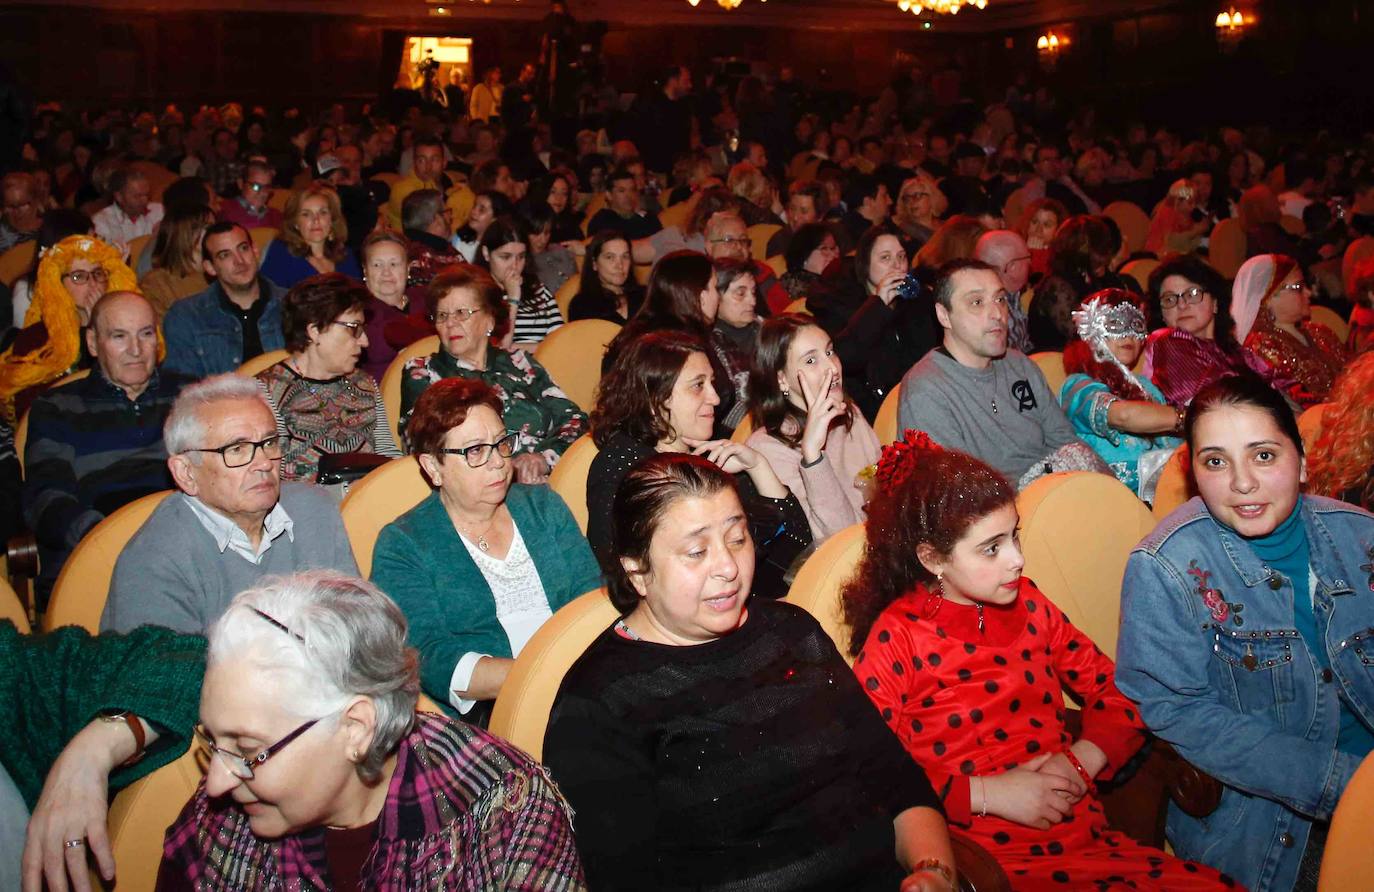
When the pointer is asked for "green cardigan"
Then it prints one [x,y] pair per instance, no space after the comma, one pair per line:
[52,686]
[421,562]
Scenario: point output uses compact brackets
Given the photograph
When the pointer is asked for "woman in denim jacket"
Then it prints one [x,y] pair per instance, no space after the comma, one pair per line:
[1267,687]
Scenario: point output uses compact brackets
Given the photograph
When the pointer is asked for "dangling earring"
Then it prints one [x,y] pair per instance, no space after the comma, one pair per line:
[786,392]
[490,330]
[935,599]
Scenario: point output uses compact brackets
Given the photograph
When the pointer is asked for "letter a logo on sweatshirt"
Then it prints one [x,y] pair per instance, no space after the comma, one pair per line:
[1025,397]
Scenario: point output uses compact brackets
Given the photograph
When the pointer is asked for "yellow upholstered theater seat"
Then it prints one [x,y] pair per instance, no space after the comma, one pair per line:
[1226,247]
[1332,320]
[743,430]
[816,588]
[262,362]
[16,261]
[136,247]
[1310,425]
[598,201]
[1175,484]
[777,263]
[521,712]
[263,236]
[565,294]
[391,381]
[78,596]
[21,430]
[1140,271]
[678,214]
[12,609]
[759,234]
[384,494]
[1132,221]
[798,306]
[885,422]
[572,355]
[1077,530]
[569,477]
[1348,859]
[1051,363]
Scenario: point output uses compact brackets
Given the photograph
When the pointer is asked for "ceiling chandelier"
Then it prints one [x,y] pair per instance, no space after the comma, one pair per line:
[725,4]
[942,7]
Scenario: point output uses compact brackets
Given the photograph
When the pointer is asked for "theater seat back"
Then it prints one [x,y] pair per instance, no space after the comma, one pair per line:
[569,477]
[391,381]
[816,588]
[384,494]
[521,711]
[1348,859]
[1077,530]
[83,586]
[572,356]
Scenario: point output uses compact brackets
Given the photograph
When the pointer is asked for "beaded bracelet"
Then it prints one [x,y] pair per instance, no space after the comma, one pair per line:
[1078,766]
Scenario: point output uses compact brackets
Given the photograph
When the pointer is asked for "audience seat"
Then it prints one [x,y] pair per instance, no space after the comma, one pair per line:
[598,201]
[1077,530]
[384,494]
[816,588]
[21,430]
[78,596]
[778,264]
[1332,320]
[136,246]
[1175,485]
[565,294]
[279,199]
[759,234]
[743,430]
[391,381]
[12,609]
[1310,425]
[1027,298]
[1133,223]
[1140,271]
[572,354]
[262,362]
[885,423]
[1348,860]
[798,306]
[678,214]
[642,272]
[521,711]
[569,477]
[1051,363]
[17,261]
[1226,247]
[263,236]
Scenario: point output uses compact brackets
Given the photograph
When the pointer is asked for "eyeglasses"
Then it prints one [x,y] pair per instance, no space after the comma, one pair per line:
[462,314]
[243,767]
[1294,287]
[82,276]
[746,241]
[259,187]
[1188,296]
[479,454]
[354,328]
[236,455]
[914,196]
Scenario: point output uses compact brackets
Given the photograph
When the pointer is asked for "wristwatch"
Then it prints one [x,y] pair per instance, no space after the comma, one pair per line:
[114,716]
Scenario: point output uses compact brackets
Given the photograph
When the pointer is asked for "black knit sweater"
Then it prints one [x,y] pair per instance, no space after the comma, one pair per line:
[753,762]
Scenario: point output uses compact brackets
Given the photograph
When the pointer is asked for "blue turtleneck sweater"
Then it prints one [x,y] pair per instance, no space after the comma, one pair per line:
[1286,552]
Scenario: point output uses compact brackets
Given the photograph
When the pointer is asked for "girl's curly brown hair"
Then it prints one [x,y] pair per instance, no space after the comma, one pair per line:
[933,500]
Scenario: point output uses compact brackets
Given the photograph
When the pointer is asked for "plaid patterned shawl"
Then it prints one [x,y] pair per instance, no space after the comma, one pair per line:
[465,811]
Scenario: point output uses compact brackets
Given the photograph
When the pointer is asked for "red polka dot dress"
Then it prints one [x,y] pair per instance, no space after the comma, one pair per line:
[973,692]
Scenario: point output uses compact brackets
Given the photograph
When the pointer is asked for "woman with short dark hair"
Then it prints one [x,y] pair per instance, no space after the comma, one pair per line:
[660,396]
[324,402]
[484,561]
[711,740]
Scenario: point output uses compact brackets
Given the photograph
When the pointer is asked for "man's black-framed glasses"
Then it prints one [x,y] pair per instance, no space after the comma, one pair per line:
[479,454]
[241,453]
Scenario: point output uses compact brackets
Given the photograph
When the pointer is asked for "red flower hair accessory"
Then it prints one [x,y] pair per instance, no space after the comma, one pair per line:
[901,458]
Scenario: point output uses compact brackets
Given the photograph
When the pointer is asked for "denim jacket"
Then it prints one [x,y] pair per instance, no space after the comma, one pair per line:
[1209,650]
[203,338]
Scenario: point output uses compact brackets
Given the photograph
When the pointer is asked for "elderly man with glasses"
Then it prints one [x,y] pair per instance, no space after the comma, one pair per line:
[250,209]
[727,238]
[232,523]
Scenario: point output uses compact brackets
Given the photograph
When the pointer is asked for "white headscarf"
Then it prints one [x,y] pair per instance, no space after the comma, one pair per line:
[1253,283]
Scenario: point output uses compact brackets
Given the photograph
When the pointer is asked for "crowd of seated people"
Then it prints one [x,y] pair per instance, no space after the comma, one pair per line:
[787,272]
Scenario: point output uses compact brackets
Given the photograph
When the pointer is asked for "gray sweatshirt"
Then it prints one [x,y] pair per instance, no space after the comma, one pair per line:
[173,574]
[954,404]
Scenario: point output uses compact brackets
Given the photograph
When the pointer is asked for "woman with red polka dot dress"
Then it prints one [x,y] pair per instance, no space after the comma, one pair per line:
[967,662]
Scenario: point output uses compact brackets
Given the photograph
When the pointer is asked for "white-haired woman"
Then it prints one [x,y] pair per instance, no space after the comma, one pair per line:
[322,776]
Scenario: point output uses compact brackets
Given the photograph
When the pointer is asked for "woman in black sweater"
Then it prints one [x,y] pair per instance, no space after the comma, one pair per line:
[660,396]
[710,741]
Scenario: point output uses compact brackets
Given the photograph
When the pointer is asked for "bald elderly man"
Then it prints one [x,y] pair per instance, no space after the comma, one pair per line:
[1007,253]
[96,444]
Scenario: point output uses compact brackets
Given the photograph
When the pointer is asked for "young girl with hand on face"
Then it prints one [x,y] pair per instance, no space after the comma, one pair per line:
[967,662]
